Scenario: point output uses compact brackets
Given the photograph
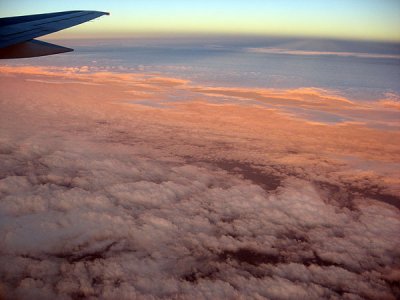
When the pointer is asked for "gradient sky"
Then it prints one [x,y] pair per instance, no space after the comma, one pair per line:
[349,19]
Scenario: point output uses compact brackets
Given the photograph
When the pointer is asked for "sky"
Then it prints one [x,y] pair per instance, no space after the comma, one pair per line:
[351,19]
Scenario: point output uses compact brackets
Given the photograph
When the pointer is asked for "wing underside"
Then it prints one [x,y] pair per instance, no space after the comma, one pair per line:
[32,48]
[17,34]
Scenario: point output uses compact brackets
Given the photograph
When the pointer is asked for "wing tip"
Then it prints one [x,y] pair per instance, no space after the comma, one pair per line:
[103,13]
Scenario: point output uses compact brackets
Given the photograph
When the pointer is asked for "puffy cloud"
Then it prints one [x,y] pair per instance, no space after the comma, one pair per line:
[104,199]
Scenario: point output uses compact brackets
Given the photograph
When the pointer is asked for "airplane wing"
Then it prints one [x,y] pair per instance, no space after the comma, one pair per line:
[17,34]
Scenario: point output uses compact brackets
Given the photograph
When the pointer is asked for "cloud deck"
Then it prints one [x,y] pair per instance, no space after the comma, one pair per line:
[201,200]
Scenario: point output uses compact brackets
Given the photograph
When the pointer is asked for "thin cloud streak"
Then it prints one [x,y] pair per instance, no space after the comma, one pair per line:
[323,53]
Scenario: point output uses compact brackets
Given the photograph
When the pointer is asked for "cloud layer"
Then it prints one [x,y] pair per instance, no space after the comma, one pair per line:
[271,50]
[104,199]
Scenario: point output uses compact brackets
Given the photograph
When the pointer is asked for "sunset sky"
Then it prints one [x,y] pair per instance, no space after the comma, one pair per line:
[354,19]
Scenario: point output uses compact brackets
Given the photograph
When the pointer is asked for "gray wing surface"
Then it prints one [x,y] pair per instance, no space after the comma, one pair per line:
[17,34]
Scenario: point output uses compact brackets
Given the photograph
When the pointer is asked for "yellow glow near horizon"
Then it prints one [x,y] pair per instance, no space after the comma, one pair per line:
[118,26]
[347,19]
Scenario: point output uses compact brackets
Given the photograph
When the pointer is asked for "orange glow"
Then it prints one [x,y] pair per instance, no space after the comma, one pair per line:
[270,127]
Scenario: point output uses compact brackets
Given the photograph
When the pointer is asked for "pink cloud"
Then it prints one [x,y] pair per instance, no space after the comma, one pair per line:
[102,198]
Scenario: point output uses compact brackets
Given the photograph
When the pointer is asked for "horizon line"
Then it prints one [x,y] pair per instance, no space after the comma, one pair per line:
[172,35]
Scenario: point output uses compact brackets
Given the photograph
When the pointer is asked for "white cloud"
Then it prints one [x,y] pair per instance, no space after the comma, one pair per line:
[138,208]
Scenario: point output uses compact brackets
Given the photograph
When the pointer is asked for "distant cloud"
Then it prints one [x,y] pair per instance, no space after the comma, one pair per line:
[309,103]
[319,53]
[391,100]
[100,198]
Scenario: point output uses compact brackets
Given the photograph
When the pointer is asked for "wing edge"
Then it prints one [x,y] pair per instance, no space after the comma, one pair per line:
[32,48]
